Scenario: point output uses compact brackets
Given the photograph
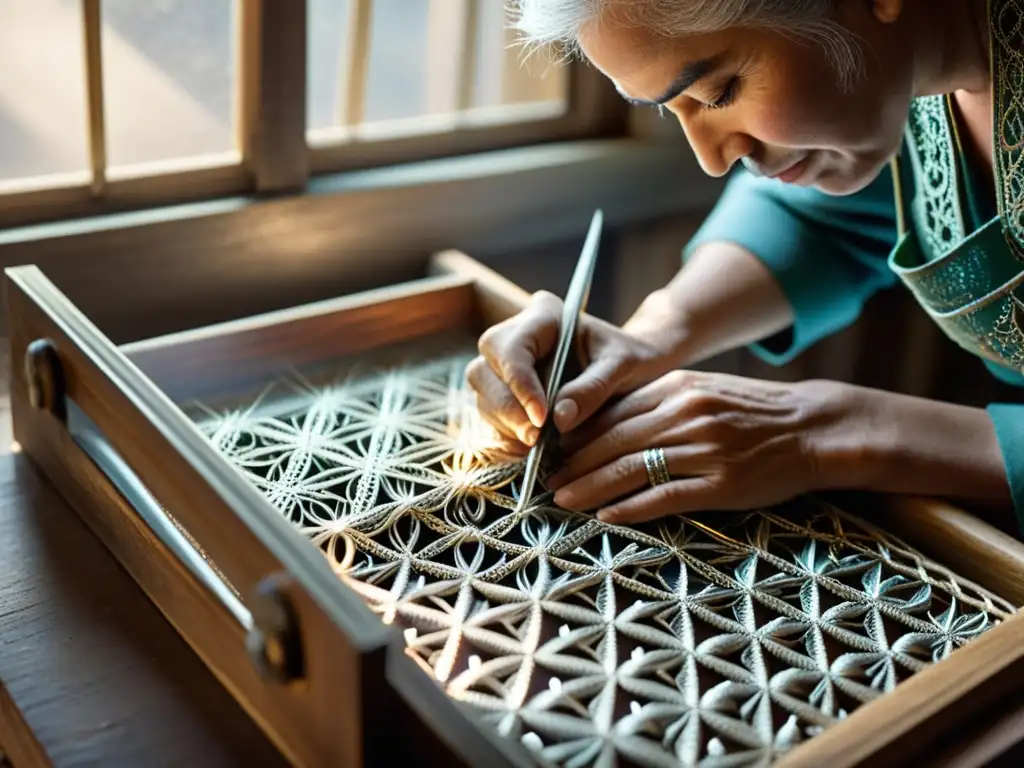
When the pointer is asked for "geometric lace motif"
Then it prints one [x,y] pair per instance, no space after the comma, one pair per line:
[709,640]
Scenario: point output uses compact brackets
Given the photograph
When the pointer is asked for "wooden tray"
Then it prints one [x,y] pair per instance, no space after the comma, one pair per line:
[316,669]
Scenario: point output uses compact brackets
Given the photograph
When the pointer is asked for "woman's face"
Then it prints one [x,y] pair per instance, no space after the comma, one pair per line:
[773,102]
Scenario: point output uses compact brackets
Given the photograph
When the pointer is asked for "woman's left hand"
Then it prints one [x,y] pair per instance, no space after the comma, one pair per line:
[731,443]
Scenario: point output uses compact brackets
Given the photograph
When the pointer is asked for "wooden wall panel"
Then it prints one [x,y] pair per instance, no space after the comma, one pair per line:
[239,257]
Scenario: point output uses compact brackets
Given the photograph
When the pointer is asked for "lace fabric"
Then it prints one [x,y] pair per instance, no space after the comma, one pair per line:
[711,640]
[937,210]
[1008,95]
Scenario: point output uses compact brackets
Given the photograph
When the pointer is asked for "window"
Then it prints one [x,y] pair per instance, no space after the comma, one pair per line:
[412,66]
[169,81]
[42,92]
[114,104]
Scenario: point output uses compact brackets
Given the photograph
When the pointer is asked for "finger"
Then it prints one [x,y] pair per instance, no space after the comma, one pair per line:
[679,497]
[517,368]
[625,475]
[641,401]
[509,448]
[631,436]
[513,349]
[581,398]
[497,405]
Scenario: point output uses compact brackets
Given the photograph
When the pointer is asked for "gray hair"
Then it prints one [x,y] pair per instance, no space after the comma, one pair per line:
[559,22]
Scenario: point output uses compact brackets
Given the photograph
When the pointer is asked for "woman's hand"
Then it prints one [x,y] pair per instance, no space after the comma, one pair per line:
[730,443]
[509,390]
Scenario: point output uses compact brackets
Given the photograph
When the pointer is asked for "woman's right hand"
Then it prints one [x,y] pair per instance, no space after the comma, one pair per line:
[509,390]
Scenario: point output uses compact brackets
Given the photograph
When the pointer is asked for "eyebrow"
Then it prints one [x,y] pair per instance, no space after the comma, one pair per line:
[690,75]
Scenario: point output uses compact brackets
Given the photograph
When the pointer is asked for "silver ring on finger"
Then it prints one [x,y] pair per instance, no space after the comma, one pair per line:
[657,467]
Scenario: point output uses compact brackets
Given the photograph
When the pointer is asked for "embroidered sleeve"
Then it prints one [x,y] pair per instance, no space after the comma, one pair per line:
[827,252]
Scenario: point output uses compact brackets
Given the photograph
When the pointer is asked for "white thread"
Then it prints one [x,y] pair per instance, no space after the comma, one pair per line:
[398,480]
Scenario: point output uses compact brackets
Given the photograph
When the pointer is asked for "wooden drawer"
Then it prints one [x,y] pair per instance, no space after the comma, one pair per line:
[549,638]
[90,672]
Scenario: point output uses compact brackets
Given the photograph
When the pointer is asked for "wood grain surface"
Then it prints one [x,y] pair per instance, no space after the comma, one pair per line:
[87,663]
[315,721]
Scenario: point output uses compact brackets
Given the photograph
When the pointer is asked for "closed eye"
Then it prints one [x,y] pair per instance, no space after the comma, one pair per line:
[726,96]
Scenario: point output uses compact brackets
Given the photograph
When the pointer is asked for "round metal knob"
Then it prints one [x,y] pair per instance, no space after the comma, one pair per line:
[273,642]
[44,377]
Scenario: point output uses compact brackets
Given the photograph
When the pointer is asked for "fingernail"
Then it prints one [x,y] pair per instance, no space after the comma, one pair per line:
[605,516]
[565,498]
[565,414]
[531,435]
[535,410]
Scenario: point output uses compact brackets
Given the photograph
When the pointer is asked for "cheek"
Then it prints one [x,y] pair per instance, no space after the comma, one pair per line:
[799,104]
[815,118]
[786,121]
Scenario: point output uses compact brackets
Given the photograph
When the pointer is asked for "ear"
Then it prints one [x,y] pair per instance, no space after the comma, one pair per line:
[887,11]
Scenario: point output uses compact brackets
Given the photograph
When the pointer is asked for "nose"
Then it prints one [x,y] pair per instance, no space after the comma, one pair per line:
[717,147]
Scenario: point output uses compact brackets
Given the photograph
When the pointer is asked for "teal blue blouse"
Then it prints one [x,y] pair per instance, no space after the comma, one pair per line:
[830,255]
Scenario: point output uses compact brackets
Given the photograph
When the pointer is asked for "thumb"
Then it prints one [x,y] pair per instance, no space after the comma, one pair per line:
[583,396]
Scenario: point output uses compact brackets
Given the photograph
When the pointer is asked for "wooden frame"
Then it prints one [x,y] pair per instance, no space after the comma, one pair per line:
[454,127]
[207,263]
[87,658]
[355,62]
[93,28]
[452,26]
[274,150]
[344,647]
[272,119]
[593,110]
[127,391]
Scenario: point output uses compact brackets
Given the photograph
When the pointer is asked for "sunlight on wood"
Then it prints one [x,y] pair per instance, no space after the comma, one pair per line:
[425,125]
[92,28]
[176,165]
[113,104]
[451,36]
[49,181]
[356,61]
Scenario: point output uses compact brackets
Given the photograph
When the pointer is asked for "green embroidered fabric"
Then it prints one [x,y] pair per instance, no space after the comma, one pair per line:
[962,275]
[937,206]
[986,323]
[972,284]
[1008,101]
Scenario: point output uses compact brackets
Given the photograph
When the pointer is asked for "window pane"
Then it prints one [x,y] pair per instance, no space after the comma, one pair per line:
[415,61]
[504,74]
[169,78]
[396,75]
[43,125]
[327,30]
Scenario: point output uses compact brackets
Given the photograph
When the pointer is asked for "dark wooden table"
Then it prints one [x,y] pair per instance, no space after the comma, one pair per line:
[90,672]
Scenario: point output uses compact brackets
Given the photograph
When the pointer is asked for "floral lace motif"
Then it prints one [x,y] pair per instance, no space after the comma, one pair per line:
[1006,338]
[1008,68]
[987,322]
[717,641]
[937,211]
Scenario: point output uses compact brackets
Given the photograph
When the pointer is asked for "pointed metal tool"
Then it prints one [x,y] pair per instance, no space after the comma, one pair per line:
[573,308]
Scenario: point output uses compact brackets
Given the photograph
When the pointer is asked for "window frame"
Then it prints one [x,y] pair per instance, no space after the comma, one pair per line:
[274,153]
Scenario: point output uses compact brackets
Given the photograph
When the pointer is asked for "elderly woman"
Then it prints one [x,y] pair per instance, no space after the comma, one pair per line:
[871,140]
